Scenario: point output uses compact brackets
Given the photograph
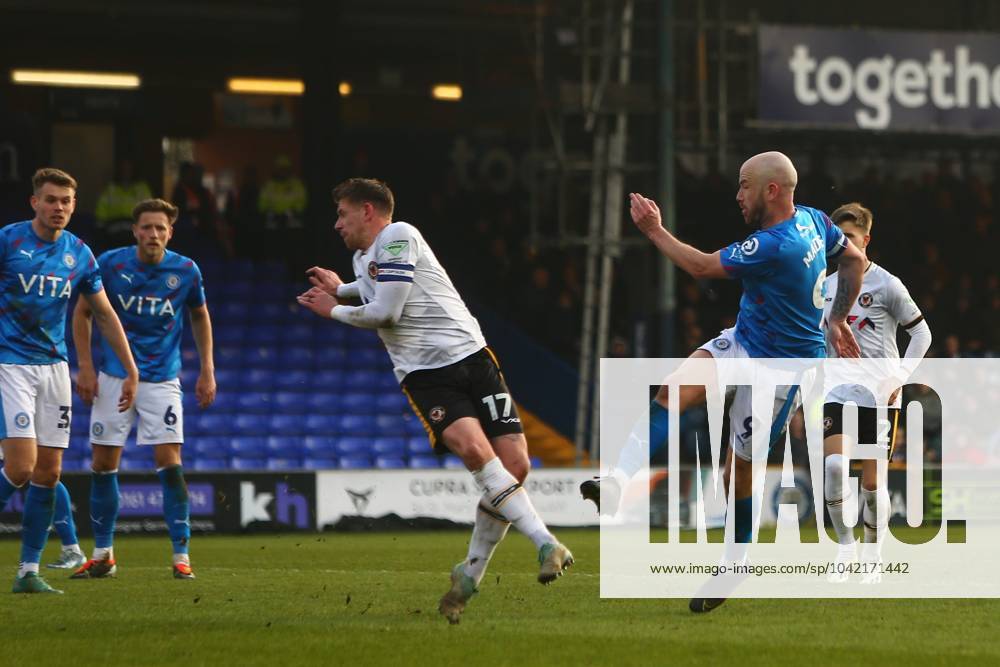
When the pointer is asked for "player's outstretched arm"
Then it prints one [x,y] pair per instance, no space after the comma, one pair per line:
[86,379]
[111,328]
[646,216]
[850,273]
[201,328]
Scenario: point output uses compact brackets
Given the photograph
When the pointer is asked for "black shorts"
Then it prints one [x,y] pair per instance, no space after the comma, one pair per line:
[870,432]
[472,387]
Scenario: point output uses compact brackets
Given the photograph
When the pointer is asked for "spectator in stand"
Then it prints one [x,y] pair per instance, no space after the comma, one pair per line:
[197,220]
[244,218]
[115,204]
[282,204]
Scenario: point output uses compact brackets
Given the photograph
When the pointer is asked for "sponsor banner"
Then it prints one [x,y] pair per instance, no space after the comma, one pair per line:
[879,79]
[444,494]
[220,503]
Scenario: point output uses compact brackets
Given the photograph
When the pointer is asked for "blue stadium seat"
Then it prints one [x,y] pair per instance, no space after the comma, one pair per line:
[319,446]
[360,380]
[363,358]
[240,463]
[247,446]
[390,425]
[297,357]
[453,462]
[231,332]
[189,376]
[285,447]
[270,271]
[385,380]
[389,446]
[358,403]
[535,462]
[353,446]
[326,380]
[322,424]
[298,334]
[357,425]
[310,463]
[286,425]
[390,462]
[228,313]
[293,380]
[261,355]
[211,463]
[209,423]
[355,462]
[273,292]
[362,337]
[425,461]
[290,402]
[256,402]
[257,379]
[76,465]
[226,401]
[330,355]
[264,335]
[393,402]
[226,379]
[227,356]
[282,463]
[207,447]
[249,425]
[414,426]
[418,445]
[79,444]
[80,424]
[322,402]
[275,313]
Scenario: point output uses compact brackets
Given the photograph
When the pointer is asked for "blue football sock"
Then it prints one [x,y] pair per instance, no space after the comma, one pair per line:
[743,523]
[104,507]
[632,457]
[176,509]
[7,489]
[63,519]
[39,506]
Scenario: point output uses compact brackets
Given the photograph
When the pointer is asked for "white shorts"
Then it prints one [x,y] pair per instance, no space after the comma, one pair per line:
[36,401]
[157,404]
[786,400]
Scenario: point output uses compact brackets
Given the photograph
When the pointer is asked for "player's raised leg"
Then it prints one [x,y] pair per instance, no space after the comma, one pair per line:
[71,556]
[505,495]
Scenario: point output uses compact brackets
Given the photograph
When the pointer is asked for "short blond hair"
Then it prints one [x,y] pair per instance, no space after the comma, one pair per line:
[854,213]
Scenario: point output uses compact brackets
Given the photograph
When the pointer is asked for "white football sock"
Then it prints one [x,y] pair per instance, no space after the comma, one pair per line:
[100,553]
[182,558]
[876,515]
[73,548]
[26,568]
[489,530]
[837,497]
[504,495]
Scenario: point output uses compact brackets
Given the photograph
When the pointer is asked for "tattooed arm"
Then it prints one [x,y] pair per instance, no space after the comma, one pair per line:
[850,272]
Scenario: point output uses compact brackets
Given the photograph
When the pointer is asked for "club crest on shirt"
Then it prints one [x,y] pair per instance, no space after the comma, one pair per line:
[436,414]
[373,270]
[865,300]
[721,344]
[21,420]
[97,429]
[750,246]
[173,280]
[69,260]
[827,423]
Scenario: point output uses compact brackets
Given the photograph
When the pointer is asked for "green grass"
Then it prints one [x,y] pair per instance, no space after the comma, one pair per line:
[341,599]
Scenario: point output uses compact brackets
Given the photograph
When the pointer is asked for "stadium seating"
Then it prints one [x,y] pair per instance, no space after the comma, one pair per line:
[294,391]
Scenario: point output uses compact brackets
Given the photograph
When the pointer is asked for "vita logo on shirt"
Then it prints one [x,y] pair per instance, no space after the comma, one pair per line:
[152,305]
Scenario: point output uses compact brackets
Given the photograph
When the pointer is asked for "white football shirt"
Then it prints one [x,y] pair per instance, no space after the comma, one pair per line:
[436,328]
[882,306]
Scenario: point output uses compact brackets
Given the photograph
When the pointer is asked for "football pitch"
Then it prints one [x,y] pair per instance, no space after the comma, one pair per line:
[371,599]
